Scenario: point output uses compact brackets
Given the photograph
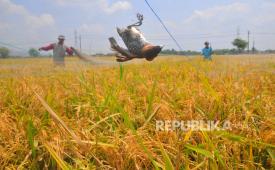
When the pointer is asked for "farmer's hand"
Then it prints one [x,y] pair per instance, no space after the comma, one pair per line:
[72,50]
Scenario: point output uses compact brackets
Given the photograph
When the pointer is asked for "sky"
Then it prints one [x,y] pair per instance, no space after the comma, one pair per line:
[35,23]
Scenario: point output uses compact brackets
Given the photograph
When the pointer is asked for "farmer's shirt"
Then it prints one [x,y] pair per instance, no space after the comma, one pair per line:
[59,52]
[207,52]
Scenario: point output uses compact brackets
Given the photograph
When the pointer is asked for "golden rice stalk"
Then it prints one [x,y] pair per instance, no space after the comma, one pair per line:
[62,164]
[57,118]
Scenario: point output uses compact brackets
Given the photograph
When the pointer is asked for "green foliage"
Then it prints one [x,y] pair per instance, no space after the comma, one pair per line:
[240,44]
[225,51]
[62,164]
[174,52]
[254,50]
[232,51]
[31,132]
[34,52]
[168,162]
[150,99]
[201,151]
[4,52]
[269,51]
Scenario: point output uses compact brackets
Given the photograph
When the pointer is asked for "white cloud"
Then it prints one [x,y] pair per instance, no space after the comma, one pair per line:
[91,28]
[4,25]
[9,8]
[95,21]
[22,28]
[219,24]
[117,6]
[104,5]
[265,14]
[272,5]
[264,19]
[218,12]
[40,21]
[218,19]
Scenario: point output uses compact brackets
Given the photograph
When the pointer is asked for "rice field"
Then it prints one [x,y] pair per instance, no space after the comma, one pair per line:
[103,116]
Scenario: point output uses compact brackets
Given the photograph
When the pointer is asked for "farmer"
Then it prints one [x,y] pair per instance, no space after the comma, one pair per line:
[59,50]
[207,51]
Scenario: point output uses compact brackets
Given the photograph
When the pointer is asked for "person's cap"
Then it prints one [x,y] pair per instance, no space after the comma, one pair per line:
[61,37]
[206,43]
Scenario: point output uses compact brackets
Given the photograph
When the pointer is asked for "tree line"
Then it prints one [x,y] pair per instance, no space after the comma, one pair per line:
[240,46]
[5,52]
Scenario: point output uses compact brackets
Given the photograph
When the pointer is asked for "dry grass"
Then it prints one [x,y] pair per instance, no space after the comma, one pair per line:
[112,109]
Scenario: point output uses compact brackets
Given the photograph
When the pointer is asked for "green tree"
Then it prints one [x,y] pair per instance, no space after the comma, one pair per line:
[254,50]
[34,52]
[4,52]
[240,44]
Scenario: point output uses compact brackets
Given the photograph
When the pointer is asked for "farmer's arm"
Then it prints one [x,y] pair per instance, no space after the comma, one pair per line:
[47,48]
[69,50]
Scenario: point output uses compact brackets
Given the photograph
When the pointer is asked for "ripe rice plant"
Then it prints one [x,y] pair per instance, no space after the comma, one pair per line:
[87,116]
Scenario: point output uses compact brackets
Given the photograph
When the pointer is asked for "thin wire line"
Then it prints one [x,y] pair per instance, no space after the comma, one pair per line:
[10,45]
[164,26]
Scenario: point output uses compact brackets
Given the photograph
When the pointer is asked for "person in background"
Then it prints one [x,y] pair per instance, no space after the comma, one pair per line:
[207,51]
[59,51]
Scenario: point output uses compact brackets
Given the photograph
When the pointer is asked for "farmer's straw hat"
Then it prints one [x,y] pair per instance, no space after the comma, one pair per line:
[61,37]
